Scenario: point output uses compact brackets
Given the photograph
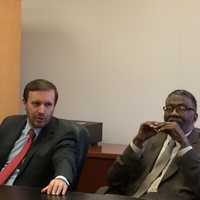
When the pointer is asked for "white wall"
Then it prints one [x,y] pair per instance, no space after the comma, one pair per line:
[113,61]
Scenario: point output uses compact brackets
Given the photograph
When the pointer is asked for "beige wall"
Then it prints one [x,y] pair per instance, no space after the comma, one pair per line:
[9,56]
[113,60]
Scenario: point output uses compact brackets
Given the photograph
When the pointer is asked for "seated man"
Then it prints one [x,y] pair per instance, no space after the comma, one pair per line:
[37,149]
[163,159]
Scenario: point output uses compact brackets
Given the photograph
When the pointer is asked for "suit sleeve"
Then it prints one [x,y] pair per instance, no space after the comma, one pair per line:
[64,156]
[126,168]
[189,165]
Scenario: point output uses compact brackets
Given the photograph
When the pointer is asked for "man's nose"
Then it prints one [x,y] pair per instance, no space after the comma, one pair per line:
[41,109]
[174,112]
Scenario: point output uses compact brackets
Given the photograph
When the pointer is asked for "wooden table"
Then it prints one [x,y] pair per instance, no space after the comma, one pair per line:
[100,158]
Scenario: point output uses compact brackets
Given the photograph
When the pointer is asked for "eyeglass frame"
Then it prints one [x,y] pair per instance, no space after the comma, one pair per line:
[177,110]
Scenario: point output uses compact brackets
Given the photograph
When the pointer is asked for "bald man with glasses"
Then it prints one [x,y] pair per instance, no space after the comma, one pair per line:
[163,159]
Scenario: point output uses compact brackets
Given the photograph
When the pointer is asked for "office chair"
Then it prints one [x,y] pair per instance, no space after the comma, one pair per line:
[82,149]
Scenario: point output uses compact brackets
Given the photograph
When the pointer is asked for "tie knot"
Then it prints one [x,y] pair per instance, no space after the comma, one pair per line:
[172,143]
[31,133]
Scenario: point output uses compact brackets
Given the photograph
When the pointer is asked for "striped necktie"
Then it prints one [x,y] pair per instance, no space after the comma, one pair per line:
[157,169]
[6,172]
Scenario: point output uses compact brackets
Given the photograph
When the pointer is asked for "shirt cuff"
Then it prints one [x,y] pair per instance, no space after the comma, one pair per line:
[63,178]
[136,149]
[184,151]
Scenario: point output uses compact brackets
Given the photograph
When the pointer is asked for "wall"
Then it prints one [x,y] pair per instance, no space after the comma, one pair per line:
[10,20]
[113,61]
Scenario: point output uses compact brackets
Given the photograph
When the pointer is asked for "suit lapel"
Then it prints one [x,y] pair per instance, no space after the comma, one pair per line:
[194,136]
[15,132]
[44,136]
[150,154]
[12,134]
[155,148]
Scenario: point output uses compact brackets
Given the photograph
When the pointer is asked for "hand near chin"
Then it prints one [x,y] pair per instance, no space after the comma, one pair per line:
[146,130]
[175,131]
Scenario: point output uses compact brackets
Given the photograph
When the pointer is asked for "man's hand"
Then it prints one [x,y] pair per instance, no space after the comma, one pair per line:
[175,131]
[56,187]
[147,130]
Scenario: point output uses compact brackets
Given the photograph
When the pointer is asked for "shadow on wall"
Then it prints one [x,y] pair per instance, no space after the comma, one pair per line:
[42,50]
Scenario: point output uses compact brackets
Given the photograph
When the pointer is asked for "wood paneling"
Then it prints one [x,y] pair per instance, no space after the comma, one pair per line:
[99,159]
[10,33]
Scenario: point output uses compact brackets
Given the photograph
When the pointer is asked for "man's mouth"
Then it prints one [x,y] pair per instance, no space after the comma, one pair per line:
[174,119]
[40,119]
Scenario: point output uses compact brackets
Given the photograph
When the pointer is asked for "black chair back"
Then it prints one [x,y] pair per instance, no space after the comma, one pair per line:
[82,149]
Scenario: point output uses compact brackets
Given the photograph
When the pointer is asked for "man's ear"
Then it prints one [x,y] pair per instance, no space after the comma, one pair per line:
[23,101]
[195,117]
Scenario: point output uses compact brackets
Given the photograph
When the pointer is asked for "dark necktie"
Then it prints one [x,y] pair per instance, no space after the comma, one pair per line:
[11,167]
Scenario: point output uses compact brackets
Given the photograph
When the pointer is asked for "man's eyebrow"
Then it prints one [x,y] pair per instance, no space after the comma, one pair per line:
[178,104]
[35,101]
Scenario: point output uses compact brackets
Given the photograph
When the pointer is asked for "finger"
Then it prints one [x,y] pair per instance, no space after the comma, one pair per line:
[150,123]
[161,124]
[44,189]
[164,125]
[50,187]
[155,125]
[64,189]
[59,189]
[54,188]
[168,129]
[163,129]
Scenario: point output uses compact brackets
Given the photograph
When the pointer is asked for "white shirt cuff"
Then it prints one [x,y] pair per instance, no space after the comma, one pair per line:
[184,151]
[63,178]
[136,149]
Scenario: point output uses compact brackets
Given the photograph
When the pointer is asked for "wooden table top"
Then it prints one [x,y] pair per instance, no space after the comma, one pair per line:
[27,193]
[105,150]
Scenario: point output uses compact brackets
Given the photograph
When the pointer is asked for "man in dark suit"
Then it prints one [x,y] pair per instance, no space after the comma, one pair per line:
[51,160]
[136,171]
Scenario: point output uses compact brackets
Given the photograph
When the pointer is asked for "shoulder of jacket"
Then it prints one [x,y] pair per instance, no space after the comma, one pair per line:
[14,117]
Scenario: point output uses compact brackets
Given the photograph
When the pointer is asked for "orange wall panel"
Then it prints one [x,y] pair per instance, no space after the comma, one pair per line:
[10,33]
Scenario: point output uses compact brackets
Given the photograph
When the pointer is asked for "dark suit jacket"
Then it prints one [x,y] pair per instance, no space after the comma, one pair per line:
[182,179]
[52,154]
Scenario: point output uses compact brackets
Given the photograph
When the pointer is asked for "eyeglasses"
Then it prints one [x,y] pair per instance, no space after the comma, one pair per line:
[178,108]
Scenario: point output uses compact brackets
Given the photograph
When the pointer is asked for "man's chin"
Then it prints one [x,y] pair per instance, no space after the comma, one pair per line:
[39,124]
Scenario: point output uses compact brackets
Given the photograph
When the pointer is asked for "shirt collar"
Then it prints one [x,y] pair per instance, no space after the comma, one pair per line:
[188,133]
[28,126]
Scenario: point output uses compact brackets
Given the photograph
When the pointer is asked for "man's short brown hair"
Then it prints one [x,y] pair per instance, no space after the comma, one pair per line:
[39,85]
